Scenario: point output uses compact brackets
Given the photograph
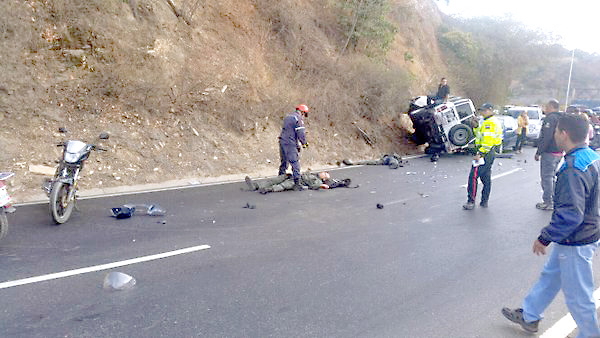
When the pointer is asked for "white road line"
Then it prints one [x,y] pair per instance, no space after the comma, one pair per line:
[566,324]
[499,175]
[107,266]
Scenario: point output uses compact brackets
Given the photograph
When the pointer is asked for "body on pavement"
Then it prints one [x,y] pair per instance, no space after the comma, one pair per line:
[321,180]
[393,161]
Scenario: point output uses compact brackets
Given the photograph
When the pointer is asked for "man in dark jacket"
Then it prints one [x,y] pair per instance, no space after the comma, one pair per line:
[574,228]
[443,92]
[291,137]
[548,154]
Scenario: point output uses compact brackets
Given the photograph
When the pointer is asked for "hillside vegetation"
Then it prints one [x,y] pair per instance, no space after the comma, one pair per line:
[192,89]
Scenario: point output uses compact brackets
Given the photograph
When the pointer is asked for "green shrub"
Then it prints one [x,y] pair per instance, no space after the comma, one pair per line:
[366,26]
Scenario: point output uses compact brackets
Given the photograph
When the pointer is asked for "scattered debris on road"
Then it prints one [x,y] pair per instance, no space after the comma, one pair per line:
[129,210]
[118,281]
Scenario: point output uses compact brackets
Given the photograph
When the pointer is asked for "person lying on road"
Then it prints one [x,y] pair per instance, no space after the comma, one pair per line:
[321,180]
[394,161]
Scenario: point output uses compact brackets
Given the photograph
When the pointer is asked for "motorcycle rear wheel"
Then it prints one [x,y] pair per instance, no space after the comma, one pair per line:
[3,223]
[60,207]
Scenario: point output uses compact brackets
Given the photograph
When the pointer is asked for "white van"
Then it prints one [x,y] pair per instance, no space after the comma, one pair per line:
[535,120]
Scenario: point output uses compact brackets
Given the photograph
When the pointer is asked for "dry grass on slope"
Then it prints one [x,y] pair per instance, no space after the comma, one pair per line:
[197,100]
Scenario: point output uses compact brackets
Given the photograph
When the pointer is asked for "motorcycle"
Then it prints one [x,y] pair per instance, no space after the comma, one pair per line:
[5,203]
[62,189]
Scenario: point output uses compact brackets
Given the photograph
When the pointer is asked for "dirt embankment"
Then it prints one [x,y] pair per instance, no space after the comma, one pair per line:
[198,90]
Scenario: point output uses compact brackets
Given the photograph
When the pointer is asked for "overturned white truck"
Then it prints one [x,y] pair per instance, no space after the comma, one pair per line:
[445,126]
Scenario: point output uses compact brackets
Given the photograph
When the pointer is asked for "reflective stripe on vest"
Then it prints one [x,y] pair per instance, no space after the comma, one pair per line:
[488,134]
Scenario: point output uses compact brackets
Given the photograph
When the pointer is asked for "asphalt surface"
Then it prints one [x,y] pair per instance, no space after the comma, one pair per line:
[301,264]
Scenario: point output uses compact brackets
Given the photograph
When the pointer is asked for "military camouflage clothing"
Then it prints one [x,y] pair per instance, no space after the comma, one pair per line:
[286,182]
[394,161]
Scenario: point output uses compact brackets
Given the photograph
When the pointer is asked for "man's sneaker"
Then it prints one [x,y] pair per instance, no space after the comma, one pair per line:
[516,316]
[469,206]
[483,204]
[544,206]
[251,185]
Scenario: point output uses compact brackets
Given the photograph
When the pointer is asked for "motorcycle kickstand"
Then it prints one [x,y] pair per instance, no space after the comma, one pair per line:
[75,205]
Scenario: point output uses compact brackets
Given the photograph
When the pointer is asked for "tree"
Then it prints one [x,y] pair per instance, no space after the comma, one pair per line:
[366,26]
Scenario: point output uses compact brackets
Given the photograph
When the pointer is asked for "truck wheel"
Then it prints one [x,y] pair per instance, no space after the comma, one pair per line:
[460,135]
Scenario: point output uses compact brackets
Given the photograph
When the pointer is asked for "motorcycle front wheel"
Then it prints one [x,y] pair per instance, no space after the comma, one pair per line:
[60,205]
[3,223]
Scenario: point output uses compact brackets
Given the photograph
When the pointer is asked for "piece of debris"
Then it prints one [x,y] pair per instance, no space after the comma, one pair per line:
[129,210]
[118,281]
[365,136]
[122,212]
[423,195]
[62,130]
[42,170]
[250,206]
[379,206]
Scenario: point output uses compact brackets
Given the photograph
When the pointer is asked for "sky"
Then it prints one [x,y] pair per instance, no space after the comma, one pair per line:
[576,21]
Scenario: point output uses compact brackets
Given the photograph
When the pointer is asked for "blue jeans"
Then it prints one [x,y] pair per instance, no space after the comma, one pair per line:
[568,268]
[548,166]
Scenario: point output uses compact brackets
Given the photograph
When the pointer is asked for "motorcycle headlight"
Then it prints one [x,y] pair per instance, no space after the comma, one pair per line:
[71,157]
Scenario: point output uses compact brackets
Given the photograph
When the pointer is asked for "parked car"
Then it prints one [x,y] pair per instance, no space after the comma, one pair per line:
[506,108]
[509,131]
[535,115]
[446,126]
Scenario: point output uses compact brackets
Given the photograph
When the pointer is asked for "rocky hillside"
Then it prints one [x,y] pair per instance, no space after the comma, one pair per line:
[196,89]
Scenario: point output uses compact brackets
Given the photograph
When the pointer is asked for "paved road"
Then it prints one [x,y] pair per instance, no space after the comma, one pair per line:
[302,264]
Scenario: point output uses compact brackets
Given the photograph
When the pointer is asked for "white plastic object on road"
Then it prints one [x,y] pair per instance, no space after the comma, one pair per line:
[118,281]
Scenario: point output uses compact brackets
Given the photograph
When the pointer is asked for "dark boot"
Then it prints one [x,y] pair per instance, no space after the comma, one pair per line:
[297,185]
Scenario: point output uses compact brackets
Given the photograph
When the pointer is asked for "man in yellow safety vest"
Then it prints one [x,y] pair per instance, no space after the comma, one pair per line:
[488,138]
